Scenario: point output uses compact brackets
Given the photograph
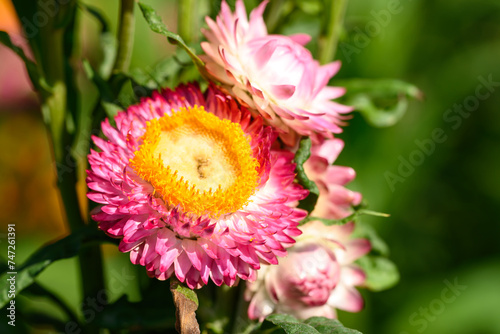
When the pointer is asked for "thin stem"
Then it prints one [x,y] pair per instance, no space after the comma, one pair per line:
[186,22]
[53,67]
[125,36]
[273,16]
[239,311]
[336,20]
[53,63]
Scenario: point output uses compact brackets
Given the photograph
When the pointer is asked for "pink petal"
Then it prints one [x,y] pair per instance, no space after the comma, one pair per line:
[190,248]
[282,92]
[355,249]
[300,38]
[264,53]
[182,266]
[346,298]
[353,276]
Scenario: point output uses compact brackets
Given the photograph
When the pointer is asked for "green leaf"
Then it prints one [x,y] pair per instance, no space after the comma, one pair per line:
[381,273]
[107,40]
[97,14]
[43,320]
[104,89]
[110,109]
[330,222]
[109,47]
[358,211]
[41,259]
[166,70]
[31,67]
[303,153]
[330,326]
[156,24]
[383,102]
[284,323]
[126,95]
[39,290]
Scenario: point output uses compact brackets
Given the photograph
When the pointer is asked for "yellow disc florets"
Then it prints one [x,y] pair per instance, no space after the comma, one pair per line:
[197,161]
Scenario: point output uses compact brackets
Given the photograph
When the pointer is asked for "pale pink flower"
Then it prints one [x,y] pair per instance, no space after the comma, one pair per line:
[190,184]
[335,201]
[316,278]
[273,74]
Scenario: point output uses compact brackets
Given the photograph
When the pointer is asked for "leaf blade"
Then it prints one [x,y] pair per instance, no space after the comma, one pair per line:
[382,102]
[42,258]
[303,153]
[313,325]
[156,24]
[381,273]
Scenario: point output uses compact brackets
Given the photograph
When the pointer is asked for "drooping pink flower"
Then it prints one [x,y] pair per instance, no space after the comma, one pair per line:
[334,201]
[273,74]
[316,278]
[190,184]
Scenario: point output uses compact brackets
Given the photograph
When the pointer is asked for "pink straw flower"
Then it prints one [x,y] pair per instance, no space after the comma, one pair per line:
[316,278]
[190,184]
[335,201]
[273,74]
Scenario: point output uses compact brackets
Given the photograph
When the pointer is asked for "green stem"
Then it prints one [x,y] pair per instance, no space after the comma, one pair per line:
[273,16]
[238,311]
[336,19]
[125,36]
[54,63]
[186,23]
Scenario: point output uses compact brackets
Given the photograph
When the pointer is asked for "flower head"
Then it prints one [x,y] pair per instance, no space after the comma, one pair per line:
[190,184]
[315,278]
[334,201]
[273,74]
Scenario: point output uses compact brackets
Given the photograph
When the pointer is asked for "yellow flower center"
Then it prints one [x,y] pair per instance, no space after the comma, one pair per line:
[198,161]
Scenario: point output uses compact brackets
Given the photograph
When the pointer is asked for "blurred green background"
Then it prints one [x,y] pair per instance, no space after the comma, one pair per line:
[444,226]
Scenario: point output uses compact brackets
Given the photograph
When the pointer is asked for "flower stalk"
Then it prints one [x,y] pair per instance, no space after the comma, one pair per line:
[125,36]
[336,20]
[52,62]
[186,304]
[187,23]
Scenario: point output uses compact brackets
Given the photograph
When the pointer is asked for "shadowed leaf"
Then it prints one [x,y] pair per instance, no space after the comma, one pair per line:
[41,259]
[381,273]
[383,102]
[303,153]
[287,324]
